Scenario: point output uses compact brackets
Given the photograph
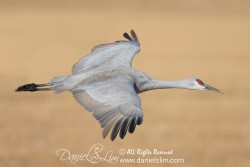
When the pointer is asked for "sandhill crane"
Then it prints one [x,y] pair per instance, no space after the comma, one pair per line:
[105,84]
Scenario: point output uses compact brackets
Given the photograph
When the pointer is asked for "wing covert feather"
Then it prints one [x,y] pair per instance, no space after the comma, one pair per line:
[114,103]
[117,54]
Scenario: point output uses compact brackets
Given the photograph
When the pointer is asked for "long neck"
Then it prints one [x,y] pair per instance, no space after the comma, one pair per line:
[159,84]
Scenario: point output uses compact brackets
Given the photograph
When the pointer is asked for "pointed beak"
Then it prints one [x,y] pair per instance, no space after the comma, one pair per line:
[207,87]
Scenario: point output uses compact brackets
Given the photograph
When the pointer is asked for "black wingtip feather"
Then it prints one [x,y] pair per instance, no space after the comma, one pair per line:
[132,125]
[116,129]
[124,128]
[127,36]
[139,120]
[134,36]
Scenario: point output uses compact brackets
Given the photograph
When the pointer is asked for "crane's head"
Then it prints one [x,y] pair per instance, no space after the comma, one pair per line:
[197,84]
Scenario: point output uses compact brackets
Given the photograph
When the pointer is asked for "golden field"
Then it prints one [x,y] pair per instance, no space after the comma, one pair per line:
[179,39]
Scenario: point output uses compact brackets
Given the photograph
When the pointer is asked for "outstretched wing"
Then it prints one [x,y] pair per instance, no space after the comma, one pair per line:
[114,103]
[117,54]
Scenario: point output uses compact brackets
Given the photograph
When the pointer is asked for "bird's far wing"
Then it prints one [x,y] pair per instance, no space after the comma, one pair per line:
[117,54]
[114,103]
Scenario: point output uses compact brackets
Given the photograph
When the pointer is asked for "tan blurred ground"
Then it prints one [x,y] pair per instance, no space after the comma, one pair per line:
[179,39]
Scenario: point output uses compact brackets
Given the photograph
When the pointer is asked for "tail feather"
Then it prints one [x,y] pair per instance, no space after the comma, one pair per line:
[57,80]
[57,84]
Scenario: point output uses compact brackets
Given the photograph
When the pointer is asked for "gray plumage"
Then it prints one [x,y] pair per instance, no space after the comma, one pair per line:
[105,84]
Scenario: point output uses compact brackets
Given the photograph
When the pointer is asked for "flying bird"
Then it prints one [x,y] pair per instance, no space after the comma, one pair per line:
[105,84]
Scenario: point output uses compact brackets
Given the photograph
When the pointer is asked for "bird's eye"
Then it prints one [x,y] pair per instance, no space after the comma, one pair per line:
[199,82]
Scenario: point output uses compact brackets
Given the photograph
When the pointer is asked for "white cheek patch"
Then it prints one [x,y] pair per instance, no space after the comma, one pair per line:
[198,86]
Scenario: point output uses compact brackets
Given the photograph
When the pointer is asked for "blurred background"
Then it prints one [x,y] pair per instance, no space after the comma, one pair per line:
[207,39]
